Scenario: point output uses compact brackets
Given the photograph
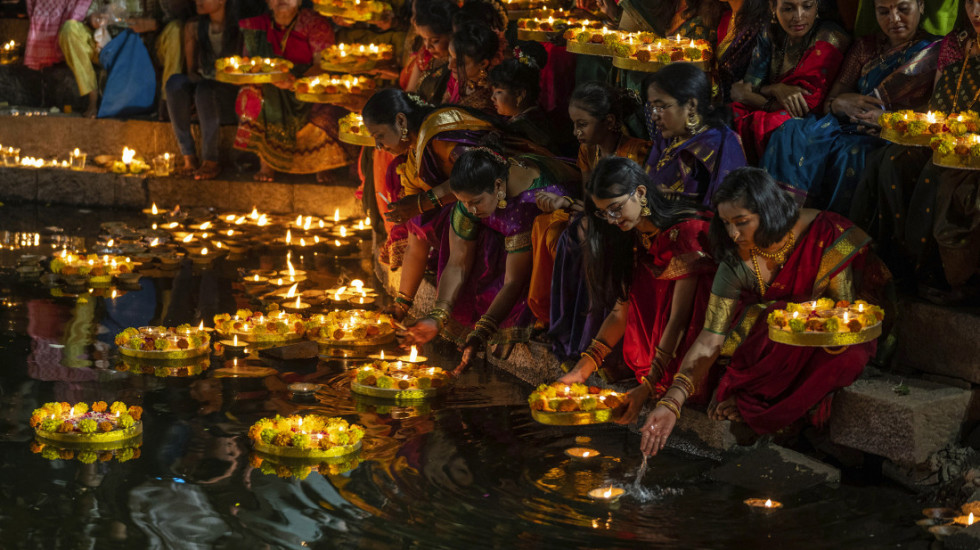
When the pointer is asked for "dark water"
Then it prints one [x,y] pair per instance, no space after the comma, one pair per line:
[471,470]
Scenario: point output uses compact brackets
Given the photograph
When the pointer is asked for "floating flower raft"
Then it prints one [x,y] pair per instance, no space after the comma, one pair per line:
[825,323]
[399,380]
[79,424]
[310,436]
[574,405]
[181,342]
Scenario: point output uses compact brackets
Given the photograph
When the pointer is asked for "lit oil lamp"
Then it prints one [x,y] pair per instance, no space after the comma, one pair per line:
[581,453]
[763,505]
[965,520]
[296,307]
[606,494]
[413,357]
[233,348]
[361,302]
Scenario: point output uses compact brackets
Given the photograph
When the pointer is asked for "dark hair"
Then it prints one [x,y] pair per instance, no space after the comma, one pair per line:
[609,252]
[435,15]
[600,100]
[385,104]
[756,191]
[476,171]
[684,82]
[476,41]
[662,13]
[231,39]
[962,23]
[753,12]
[516,76]
[481,12]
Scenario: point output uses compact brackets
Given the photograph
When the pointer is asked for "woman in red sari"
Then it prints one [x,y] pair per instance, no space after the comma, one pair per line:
[771,252]
[649,265]
[793,65]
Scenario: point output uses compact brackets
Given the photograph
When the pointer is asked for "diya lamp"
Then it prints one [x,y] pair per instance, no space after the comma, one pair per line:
[296,307]
[413,357]
[76,160]
[289,295]
[338,297]
[606,494]
[202,258]
[234,348]
[763,505]
[965,521]
[582,453]
[361,302]
[303,390]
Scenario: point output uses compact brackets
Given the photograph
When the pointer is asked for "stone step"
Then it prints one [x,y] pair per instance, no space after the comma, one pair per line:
[54,136]
[939,340]
[871,416]
[291,194]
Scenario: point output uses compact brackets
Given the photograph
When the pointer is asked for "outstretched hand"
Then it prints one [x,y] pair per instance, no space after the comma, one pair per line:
[422,332]
[403,209]
[655,431]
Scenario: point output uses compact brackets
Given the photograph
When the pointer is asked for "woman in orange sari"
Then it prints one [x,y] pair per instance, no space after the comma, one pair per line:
[793,65]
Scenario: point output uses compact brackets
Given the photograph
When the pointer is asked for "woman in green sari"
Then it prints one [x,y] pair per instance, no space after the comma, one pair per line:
[288,135]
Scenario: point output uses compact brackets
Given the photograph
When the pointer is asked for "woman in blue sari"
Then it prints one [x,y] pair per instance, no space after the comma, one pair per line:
[823,157]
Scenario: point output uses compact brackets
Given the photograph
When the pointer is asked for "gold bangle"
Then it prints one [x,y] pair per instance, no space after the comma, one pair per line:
[669,405]
[649,385]
[439,315]
[596,360]
[681,379]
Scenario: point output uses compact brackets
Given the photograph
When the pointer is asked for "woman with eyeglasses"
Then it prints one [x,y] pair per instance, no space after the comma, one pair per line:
[558,293]
[796,59]
[646,261]
[693,148]
[485,260]
[771,252]
[425,141]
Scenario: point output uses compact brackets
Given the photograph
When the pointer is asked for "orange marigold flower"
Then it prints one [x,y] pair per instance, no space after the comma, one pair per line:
[136,452]
[36,420]
[99,406]
[105,426]
[105,456]
[255,461]
[65,427]
[66,454]
[136,412]
[36,447]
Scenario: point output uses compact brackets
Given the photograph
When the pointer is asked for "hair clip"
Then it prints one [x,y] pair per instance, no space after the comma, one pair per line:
[493,154]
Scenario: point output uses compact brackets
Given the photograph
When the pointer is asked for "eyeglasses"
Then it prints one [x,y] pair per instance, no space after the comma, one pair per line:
[657,109]
[616,211]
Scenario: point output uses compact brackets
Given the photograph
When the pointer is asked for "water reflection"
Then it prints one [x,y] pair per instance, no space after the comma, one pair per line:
[470,469]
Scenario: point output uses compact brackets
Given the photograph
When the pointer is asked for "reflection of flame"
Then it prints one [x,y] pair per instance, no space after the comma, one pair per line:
[188,238]
[343,231]
[289,236]
[292,291]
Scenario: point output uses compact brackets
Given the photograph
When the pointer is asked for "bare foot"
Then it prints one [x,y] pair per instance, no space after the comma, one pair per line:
[209,170]
[190,165]
[726,410]
[266,175]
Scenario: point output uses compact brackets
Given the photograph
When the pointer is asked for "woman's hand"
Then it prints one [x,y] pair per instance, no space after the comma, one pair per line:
[287,84]
[791,98]
[473,345]
[549,202]
[857,106]
[656,430]
[636,398]
[403,209]
[741,91]
[578,375]
[610,8]
[423,331]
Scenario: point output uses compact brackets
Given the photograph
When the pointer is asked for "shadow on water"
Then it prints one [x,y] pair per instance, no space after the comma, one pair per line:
[470,469]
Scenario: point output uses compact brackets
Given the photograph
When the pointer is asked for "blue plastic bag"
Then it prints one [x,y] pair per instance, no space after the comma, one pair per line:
[131,86]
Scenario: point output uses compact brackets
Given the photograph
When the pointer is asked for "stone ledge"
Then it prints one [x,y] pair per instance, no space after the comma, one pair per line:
[939,340]
[871,417]
[774,470]
[103,189]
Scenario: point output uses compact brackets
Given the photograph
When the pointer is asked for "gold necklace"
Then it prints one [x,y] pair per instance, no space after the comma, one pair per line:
[647,238]
[763,287]
[778,256]
[959,82]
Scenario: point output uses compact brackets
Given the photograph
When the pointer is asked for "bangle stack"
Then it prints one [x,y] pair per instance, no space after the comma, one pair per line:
[431,195]
[661,359]
[403,301]
[439,315]
[484,329]
[684,384]
[672,405]
[597,351]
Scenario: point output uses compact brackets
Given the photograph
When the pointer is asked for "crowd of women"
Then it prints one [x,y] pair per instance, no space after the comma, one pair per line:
[696,202]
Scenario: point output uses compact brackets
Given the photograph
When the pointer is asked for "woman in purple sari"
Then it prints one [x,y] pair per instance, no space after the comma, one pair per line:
[485,259]
[737,33]
[693,150]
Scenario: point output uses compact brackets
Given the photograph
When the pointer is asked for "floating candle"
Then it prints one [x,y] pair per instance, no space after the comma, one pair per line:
[766,505]
[606,494]
[581,453]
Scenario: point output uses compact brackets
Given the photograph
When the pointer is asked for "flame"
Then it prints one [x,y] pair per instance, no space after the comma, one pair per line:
[608,493]
[204,251]
[930,117]
[343,231]
[336,242]
[188,238]
[302,241]
[309,222]
[205,225]
[279,281]
[860,308]
[201,326]
[382,355]
[585,454]
[113,296]
[768,503]
[289,236]
[240,220]
[336,215]
[299,221]
[414,355]
[153,209]
[340,291]
[235,341]
[128,155]
[292,291]
[969,520]
[299,422]
[289,267]
[262,221]
[298,302]
[71,412]
[358,284]
[255,213]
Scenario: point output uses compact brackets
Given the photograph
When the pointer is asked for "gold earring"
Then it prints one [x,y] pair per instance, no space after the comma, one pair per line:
[501,202]
[404,134]
[693,122]
[774,20]
[644,211]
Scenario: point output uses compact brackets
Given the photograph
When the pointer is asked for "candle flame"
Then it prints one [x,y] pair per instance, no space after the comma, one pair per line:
[235,341]
[289,236]
[71,412]
[299,422]
[128,155]
[608,493]
[153,209]
[113,297]
[414,355]
[292,291]
[768,503]
[201,326]
[289,266]
[309,222]
[336,215]
[254,214]
[339,292]
[969,520]
[860,308]
[188,238]
[297,302]
[382,355]
[205,225]
[204,251]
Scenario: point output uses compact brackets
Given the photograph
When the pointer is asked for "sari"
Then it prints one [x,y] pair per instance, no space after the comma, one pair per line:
[693,168]
[444,135]
[814,72]
[938,18]
[823,157]
[776,384]
[287,134]
[506,231]
[733,52]
[676,253]
[898,176]
[549,229]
